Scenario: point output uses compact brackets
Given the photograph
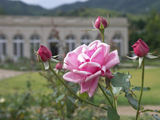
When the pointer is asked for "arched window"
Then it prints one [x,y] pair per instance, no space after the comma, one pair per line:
[85,39]
[70,43]
[53,44]
[117,43]
[18,46]
[2,46]
[34,44]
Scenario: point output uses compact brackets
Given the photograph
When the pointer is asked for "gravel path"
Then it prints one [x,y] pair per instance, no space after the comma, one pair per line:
[8,73]
[129,111]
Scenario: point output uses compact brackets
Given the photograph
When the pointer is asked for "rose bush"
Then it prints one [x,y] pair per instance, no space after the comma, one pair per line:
[87,63]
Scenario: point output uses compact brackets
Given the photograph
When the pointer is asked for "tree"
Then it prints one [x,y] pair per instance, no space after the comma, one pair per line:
[1,11]
[153,31]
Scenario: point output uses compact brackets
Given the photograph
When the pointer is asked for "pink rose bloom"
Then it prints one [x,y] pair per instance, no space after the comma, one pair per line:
[44,53]
[100,20]
[140,48]
[59,66]
[87,63]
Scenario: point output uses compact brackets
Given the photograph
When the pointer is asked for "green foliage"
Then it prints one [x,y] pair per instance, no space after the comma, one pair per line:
[131,100]
[83,95]
[17,85]
[1,11]
[20,8]
[112,114]
[136,30]
[19,65]
[139,88]
[86,12]
[153,30]
[43,105]
[147,29]
[88,8]
[121,80]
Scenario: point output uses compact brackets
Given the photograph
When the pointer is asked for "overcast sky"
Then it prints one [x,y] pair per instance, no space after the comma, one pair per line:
[50,3]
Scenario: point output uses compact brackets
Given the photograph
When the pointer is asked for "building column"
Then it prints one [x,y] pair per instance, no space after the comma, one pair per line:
[126,42]
[27,52]
[10,46]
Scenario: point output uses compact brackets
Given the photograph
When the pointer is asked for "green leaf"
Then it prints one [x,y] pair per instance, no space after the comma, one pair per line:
[121,80]
[112,114]
[139,88]
[83,95]
[156,117]
[131,100]
[101,26]
[116,90]
[60,98]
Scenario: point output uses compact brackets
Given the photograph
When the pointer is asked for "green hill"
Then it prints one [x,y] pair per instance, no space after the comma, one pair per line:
[88,8]
[19,8]
[124,6]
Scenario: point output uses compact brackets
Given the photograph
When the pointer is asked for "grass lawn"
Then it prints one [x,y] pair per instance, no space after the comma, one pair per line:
[18,84]
[152,79]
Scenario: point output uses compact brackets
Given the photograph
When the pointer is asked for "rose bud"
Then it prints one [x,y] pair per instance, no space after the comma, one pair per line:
[59,66]
[44,53]
[100,20]
[140,48]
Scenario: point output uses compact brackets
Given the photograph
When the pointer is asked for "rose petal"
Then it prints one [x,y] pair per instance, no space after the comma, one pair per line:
[112,60]
[96,42]
[90,67]
[93,87]
[100,54]
[93,76]
[92,47]
[89,86]
[82,72]
[70,61]
[74,77]
[83,57]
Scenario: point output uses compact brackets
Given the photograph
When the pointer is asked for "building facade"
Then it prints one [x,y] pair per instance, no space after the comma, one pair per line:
[20,36]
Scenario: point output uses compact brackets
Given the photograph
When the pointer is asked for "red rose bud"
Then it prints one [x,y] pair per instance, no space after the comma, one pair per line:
[140,48]
[59,66]
[100,20]
[44,53]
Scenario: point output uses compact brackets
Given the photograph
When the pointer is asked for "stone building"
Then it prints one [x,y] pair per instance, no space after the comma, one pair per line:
[21,35]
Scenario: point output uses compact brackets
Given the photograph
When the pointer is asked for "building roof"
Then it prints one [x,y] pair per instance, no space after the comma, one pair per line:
[56,21]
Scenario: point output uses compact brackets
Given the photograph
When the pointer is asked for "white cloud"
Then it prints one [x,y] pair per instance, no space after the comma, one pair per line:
[50,3]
